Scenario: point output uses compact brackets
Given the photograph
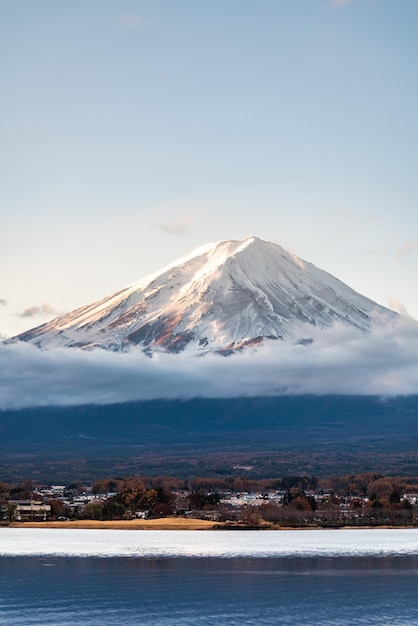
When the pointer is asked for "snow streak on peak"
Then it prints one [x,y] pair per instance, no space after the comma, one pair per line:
[223,296]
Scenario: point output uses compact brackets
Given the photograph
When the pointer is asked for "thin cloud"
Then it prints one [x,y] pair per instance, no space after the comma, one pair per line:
[407,249]
[3,302]
[399,306]
[338,4]
[38,311]
[339,361]
[176,227]
[126,21]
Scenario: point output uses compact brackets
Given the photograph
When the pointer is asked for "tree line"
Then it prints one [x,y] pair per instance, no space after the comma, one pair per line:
[355,499]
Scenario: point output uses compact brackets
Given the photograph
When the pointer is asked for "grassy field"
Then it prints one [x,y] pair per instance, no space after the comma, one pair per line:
[166,523]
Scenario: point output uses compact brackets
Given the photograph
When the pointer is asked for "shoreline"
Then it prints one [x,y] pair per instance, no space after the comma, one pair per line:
[177,523]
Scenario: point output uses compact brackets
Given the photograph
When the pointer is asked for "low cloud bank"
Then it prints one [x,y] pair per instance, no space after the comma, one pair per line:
[339,361]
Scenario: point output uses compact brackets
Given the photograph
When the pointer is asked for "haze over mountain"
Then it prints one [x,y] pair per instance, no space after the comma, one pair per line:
[222,297]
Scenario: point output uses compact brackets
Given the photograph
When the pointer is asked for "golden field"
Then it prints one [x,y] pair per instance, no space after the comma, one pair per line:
[166,523]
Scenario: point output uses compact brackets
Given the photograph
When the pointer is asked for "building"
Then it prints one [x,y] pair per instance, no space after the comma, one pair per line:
[30,510]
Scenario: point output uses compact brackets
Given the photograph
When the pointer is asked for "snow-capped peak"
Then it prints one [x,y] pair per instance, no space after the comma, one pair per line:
[222,296]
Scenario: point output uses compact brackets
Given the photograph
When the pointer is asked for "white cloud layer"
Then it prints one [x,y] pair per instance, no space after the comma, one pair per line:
[127,21]
[339,361]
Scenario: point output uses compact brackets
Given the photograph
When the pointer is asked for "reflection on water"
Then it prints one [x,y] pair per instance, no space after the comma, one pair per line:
[193,591]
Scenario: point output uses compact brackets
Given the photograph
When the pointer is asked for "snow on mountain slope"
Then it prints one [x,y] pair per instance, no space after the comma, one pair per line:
[222,296]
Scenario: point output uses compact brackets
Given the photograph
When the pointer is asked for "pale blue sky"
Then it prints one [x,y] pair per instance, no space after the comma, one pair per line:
[134,131]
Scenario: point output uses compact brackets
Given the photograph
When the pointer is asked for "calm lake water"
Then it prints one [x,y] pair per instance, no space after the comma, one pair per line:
[87,577]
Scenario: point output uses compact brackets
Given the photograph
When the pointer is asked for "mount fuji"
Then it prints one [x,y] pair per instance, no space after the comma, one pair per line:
[222,297]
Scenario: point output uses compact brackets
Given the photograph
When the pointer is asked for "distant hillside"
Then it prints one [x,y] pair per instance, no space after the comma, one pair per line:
[323,435]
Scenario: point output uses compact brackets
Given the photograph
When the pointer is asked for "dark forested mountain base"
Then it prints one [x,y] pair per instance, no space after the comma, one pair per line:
[259,437]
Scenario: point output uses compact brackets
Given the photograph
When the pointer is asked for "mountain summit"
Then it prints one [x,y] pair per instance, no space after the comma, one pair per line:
[223,296]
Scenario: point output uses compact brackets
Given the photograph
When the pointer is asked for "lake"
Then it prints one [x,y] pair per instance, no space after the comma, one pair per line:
[224,578]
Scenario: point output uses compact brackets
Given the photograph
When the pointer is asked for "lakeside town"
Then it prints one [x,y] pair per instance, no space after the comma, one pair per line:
[298,501]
